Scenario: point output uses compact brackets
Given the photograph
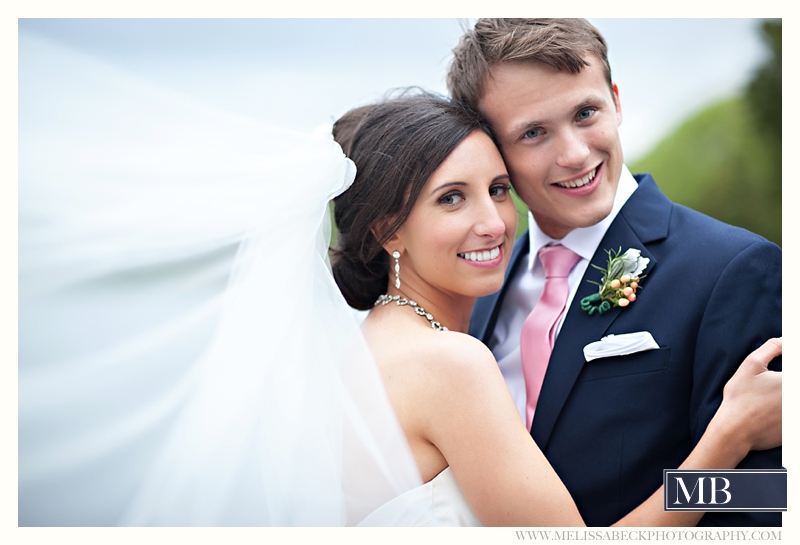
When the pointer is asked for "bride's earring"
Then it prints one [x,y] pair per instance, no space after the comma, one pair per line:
[396,256]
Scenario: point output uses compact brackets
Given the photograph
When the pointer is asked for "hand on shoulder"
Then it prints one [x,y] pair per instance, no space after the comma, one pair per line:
[752,400]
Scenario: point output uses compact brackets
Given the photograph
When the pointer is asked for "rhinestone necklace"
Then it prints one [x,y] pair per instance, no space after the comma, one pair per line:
[385,299]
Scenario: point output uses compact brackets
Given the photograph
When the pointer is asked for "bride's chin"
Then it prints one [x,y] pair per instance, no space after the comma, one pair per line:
[487,288]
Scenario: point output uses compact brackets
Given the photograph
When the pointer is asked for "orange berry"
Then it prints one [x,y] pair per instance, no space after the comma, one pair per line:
[625,279]
[634,285]
[623,302]
[627,291]
[632,297]
[615,284]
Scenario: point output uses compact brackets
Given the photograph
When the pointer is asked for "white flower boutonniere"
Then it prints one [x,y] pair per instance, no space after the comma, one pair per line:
[621,278]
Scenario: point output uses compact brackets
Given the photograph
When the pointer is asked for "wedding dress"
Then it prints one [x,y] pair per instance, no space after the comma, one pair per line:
[439,502]
[185,357]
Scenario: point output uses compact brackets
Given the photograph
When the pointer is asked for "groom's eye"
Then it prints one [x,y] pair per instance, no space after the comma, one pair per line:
[532,133]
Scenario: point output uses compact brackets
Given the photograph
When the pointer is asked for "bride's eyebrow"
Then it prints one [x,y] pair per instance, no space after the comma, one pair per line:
[448,184]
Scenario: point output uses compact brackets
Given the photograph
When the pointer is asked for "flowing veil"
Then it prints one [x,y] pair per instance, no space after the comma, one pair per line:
[185,357]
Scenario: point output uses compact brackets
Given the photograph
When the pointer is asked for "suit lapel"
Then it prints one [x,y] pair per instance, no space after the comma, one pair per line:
[642,220]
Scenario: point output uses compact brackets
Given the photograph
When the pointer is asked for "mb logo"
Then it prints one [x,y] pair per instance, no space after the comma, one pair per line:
[708,489]
[725,490]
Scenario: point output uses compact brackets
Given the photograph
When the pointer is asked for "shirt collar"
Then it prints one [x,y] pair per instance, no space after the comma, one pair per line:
[583,240]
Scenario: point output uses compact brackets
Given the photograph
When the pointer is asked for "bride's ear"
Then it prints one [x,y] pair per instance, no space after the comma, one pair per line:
[394,243]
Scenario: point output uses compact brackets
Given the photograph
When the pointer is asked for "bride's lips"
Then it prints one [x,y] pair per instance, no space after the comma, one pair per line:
[582,185]
[485,257]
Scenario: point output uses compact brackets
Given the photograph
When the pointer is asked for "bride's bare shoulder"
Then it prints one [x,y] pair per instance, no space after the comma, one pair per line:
[452,358]
[417,360]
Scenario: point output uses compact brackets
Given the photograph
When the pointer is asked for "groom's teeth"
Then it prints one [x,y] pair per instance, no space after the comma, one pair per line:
[580,181]
[485,255]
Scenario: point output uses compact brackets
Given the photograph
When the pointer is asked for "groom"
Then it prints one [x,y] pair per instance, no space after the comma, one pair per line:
[712,292]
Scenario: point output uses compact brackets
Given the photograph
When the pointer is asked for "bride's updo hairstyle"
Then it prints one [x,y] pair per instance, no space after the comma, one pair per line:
[396,145]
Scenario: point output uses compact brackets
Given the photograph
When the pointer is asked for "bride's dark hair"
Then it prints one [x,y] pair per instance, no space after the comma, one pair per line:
[396,145]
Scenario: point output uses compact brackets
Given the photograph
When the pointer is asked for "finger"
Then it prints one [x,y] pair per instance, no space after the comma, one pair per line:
[758,360]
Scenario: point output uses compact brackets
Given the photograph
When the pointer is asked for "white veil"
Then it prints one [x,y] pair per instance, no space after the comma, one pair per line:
[184,355]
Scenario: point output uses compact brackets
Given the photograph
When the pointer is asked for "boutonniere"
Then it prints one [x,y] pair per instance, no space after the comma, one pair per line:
[621,278]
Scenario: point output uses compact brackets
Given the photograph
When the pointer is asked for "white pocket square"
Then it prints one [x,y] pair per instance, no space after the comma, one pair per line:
[619,345]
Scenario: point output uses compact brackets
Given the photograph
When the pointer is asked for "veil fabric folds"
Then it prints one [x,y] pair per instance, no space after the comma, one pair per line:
[185,357]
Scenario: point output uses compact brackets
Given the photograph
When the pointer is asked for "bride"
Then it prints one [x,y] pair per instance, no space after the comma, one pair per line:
[429,224]
[185,357]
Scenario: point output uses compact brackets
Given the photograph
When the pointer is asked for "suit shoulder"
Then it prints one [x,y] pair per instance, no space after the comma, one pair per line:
[696,229]
[711,234]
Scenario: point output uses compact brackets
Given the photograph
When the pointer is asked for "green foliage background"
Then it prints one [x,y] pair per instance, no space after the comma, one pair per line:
[718,164]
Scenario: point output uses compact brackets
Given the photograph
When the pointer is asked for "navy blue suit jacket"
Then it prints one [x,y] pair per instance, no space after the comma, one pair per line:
[609,427]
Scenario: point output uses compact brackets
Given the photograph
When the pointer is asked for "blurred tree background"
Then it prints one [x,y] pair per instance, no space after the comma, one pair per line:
[725,161]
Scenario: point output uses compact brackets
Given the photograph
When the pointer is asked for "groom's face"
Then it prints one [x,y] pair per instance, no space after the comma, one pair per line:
[558,135]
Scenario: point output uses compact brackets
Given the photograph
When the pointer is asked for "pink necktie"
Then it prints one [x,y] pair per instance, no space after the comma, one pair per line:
[539,330]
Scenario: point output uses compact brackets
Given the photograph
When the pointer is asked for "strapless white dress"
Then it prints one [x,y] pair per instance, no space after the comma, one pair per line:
[439,502]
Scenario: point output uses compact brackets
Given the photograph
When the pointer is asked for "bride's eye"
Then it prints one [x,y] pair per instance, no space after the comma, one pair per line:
[499,190]
[452,198]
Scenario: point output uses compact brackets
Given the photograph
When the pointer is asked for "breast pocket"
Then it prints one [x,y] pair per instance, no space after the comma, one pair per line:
[649,361]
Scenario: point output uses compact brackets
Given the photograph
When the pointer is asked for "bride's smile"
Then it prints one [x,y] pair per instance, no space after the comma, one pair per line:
[482,256]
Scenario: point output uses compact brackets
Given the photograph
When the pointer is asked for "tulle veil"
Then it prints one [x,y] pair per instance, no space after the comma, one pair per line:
[184,355]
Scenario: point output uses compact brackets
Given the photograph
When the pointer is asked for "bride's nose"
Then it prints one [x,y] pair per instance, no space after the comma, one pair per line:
[488,220]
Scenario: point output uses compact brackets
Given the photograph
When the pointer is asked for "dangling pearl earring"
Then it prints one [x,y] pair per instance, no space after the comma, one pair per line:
[396,256]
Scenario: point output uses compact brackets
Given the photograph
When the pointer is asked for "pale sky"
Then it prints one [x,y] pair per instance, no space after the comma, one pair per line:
[303,73]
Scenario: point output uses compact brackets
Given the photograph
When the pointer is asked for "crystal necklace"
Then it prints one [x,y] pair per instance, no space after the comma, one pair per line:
[385,299]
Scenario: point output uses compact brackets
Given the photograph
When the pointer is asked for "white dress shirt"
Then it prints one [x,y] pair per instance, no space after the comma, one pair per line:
[527,283]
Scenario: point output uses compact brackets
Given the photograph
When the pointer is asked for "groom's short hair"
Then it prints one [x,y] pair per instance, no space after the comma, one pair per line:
[560,43]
